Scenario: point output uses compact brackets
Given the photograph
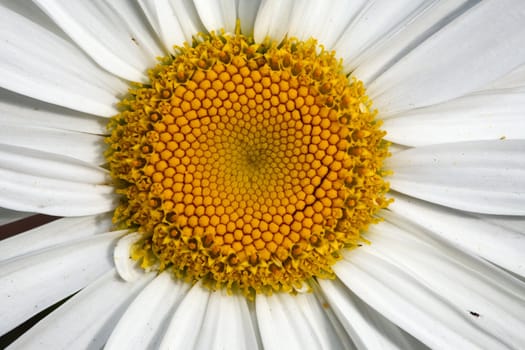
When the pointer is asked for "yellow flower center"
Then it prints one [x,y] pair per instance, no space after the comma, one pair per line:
[247,165]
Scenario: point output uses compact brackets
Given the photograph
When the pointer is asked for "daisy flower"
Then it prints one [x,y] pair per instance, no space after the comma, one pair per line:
[264,174]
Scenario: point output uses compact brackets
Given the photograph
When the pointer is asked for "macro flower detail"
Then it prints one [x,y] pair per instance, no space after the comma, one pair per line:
[262,174]
[247,165]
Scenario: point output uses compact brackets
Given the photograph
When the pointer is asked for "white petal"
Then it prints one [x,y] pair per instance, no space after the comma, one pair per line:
[54,166]
[312,18]
[8,216]
[188,18]
[409,304]
[227,324]
[396,147]
[470,285]
[171,31]
[377,20]
[145,320]
[87,319]
[175,21]
[40,194]
[112,36]
[217,15]
[511,223]
[19,110]
[460,58]
[30,10]
[389,49]
[184,328]
[128,269]
[39,64]
[148,8]
[489,115]
[506,281]
[496,243]
[54,233]
[85,147]
[144,35]
[484,176]
[272,20]
[247,12]
[31,283]
[514,79]
[368,328]
[295,322]
[82,146]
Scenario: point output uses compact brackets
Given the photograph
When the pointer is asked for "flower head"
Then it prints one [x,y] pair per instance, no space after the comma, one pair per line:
[240,148]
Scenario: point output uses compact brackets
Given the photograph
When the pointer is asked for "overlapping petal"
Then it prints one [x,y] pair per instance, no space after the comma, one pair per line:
[461,57]
[441,297]
[145,320]
[500,240]
[53,234]
[20,110]
[368,328]
[485,303]
[481,176]
[297,322]
[391,48]
[8,216]
[487,115]
[87,319]
[31,283]
[376,21]
[53,184]
[110,33]
[174,21]
[217,15]
[38,63]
